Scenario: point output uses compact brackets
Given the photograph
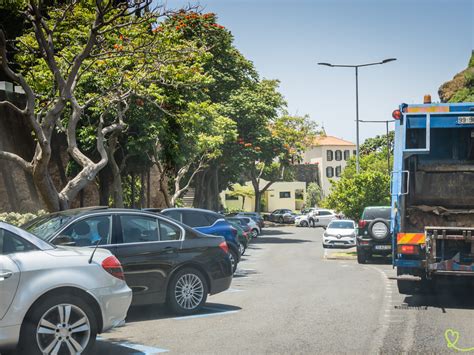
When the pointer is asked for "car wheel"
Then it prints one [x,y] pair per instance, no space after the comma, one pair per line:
[233,260]
[242,248]
[280,220]
[59,324]
[254,233]
[188,291]
[304,224]
[361,256]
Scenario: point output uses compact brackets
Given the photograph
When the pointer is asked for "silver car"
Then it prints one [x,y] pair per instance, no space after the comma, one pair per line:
[340,233]
[56,299]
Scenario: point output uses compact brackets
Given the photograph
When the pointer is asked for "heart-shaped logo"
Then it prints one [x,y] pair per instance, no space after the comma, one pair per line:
[452,338]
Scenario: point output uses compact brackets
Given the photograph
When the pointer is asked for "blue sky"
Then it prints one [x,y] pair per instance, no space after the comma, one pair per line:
[432,40]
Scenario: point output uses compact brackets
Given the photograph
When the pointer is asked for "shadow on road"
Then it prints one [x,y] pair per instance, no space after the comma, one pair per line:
[457,297]
[156,312]
[380,260]
[272,240]
[270,232]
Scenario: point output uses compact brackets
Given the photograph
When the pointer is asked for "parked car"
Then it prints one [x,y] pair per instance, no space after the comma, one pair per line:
[208,222]
[302,220]
[340,233]
[374,235]
[282,216]
[255,216]
[57,299]
[163,260]
[321,217]
[243,234]
[247,221]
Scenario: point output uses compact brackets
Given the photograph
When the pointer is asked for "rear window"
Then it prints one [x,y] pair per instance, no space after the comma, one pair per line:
[341,225]
[373,213]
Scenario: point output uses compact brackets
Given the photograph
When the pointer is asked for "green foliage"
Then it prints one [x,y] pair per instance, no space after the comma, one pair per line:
[313,195]
[18,219]
[350,195]
[378,144]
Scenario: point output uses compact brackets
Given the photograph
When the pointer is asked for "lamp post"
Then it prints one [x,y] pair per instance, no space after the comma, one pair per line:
[356,67]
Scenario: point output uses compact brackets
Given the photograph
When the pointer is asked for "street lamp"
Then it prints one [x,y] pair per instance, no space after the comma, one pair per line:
[357,66]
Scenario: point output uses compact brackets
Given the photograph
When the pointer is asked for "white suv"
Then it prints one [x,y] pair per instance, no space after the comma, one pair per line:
[321,218]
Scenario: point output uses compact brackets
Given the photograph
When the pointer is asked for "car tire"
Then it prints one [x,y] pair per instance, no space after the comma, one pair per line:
[254,233]
[242,248]
[48,309]
[187,292]
[280,220]
[304,224]
[361,256]
[233,259]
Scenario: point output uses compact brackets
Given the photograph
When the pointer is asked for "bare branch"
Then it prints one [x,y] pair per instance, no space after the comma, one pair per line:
[26,166]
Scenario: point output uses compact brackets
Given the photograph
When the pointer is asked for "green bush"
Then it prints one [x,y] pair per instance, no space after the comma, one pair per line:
[17,219]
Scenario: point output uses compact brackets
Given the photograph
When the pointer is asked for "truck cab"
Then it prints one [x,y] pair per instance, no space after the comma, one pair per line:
[432,188]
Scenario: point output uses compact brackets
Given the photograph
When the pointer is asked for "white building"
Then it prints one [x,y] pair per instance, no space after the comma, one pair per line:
[331,154]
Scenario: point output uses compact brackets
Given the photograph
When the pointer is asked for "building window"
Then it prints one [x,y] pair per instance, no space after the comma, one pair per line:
[347,154]
[338,171]
[329,155]
[338,155]
[354,152]
[285,194]
[231,198]
[329,171]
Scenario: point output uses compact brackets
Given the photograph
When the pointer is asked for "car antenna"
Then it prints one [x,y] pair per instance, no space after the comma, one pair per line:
[95,248]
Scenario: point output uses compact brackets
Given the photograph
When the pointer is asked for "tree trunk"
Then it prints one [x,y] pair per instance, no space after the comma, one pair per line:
[132,178]
[104,186]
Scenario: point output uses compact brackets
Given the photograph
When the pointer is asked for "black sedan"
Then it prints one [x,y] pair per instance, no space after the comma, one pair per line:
[163,260]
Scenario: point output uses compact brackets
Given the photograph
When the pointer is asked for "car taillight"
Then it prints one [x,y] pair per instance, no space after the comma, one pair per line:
[408,249]
[224,247]
[113,267]
[246,235]
[362,224]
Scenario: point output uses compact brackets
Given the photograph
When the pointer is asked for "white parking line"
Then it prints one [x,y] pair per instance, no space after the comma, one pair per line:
[141,349]
[217,312]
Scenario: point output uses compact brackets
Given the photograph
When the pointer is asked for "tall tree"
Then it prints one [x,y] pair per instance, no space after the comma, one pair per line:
[83,59]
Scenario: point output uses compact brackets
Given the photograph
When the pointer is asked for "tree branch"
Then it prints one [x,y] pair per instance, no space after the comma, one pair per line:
[26,166]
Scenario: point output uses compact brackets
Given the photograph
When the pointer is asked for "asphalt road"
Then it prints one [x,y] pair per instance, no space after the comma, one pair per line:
[292,296]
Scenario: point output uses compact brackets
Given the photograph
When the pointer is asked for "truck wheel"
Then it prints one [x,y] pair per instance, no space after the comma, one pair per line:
[361,256]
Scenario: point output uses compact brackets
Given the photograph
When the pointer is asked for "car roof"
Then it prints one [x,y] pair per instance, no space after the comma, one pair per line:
[188,209]
[376,207]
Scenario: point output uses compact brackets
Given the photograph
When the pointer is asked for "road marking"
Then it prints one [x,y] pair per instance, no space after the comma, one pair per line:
[217,312]
[233,290]
[142,349]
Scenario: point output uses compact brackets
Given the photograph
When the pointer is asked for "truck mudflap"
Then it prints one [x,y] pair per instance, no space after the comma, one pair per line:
[450,250]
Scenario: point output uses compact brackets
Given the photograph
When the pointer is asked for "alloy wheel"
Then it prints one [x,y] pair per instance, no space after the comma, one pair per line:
[241,249]
[189,291]
[232,261]
[64,328]
[254,233]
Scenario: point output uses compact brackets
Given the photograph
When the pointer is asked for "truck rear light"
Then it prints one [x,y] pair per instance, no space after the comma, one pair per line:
[408,249]
[113,267]
[362,224]
[397,115]
[224,247]
[364,242]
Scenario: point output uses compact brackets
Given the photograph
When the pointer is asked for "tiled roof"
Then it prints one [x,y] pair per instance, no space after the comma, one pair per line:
[331,140]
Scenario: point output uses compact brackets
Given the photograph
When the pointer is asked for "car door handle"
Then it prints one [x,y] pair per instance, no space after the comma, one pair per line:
[5,275]
[169,250]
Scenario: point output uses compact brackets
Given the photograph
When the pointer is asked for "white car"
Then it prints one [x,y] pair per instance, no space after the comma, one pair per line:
[57,299]
[340,233]
[302,221]
[321,217]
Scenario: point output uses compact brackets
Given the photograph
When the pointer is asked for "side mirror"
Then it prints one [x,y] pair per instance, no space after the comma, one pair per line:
[64,240]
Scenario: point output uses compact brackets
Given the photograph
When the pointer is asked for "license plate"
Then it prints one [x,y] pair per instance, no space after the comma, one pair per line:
[466,120]
[383,247]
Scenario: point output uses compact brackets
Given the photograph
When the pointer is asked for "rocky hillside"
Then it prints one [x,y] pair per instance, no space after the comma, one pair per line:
[461,87]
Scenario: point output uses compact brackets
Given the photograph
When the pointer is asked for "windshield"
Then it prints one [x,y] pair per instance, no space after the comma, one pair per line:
[45,227]
[341,225]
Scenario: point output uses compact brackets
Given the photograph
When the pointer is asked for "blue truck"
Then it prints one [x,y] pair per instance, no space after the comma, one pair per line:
[432,188]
